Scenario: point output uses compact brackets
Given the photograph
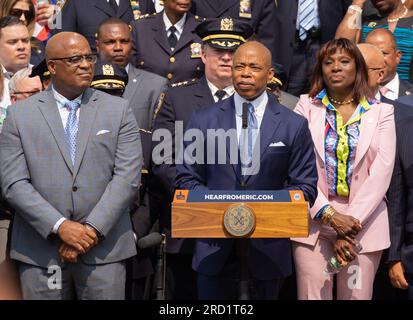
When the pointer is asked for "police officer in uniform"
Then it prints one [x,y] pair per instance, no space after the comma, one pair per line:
[84,17]
[221,37]
[166,43]
[260,14]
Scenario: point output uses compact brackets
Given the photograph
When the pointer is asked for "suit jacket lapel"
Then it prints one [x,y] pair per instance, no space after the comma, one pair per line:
[203,93]
[269,126]
[317,121]
[226,122]
[87,115]
[368,126]
[133,83]
[160,33]
[105,7]
[48,107]
[123,7]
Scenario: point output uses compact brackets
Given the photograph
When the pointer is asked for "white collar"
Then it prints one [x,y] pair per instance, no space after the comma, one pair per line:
[229,90]
[259,103]
[393,84]
[179,25]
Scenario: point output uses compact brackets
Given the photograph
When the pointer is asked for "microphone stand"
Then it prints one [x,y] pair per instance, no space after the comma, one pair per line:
[160,275]
[242,245]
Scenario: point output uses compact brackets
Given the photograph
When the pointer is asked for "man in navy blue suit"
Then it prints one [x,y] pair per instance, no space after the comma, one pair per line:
[286,159]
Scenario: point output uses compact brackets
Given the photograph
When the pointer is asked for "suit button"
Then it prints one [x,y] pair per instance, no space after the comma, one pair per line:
[169,76]
[172,59]
[74,189]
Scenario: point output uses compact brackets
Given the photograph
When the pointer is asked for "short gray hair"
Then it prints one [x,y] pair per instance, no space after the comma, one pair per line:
[21,74]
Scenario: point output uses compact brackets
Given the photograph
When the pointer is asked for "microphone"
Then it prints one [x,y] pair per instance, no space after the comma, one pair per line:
[151,240]
[244,115]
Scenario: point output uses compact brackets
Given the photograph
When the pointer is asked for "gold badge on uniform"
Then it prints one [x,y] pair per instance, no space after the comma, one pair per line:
[135,9]
[196,50]
[108,70]
[245,9]
[227,24]
[372,24]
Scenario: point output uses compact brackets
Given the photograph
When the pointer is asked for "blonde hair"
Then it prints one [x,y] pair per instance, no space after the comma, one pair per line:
[21,74]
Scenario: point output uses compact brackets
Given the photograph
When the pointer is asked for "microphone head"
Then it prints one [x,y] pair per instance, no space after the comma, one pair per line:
[151,240]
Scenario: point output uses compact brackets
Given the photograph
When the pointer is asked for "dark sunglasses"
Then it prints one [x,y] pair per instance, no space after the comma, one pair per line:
[28,14]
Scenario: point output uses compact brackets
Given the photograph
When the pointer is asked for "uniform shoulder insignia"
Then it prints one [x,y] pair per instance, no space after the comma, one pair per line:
[158,106]
[145,16]
[183,83]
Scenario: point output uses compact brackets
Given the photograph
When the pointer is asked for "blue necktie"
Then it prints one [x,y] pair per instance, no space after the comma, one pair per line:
[71,128]
[250,137]
[306,17]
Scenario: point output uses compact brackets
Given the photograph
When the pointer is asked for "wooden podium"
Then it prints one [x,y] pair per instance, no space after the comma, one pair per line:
[203,214]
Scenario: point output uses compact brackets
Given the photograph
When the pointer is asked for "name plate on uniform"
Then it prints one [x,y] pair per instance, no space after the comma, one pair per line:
[239,214]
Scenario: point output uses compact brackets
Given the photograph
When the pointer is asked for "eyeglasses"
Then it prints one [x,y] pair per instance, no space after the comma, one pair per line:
[77,60]
[26,93]
[28,14]
[375,69]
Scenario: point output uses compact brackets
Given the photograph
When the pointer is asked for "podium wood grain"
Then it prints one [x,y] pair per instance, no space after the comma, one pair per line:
[273,220]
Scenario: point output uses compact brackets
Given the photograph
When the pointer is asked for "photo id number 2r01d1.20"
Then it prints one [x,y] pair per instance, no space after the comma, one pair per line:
[229,309]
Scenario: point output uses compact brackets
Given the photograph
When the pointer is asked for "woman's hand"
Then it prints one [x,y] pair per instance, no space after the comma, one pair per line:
[345,225]
[344,250]
[44,12]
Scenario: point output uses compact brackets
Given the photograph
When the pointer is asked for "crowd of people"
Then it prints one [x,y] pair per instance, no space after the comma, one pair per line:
[86,85]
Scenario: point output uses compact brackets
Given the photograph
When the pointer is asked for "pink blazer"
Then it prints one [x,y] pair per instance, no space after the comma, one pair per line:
[373,168]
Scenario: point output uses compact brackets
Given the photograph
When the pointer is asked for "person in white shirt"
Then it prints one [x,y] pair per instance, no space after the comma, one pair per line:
[392,87]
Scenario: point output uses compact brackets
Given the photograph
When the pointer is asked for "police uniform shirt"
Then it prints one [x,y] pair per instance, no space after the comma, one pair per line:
[179,25]
[229,91]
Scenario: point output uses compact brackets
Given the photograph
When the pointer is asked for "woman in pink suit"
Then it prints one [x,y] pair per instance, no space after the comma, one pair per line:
[355,142]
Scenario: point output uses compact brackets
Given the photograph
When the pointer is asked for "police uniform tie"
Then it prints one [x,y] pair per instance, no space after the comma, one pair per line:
[172,37]
[114,5]
[306,17]
[71,128]
[220,94]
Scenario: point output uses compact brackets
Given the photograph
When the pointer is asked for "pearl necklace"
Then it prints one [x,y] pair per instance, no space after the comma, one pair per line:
[397,19]
[340,102]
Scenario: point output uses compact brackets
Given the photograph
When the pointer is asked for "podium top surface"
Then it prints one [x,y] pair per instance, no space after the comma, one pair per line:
[185,196]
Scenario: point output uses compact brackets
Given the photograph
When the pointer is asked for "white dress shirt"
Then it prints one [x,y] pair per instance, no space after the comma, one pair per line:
[259,104]
[117,1]
[228,90]
[392,88]
[5,98]
[179,25]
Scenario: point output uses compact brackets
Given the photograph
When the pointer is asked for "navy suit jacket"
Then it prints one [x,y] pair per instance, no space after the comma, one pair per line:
[290,167]
[400,194]
[262,18]
[330,13]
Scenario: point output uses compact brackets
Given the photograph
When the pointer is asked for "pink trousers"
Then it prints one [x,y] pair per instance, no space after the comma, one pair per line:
[354,282]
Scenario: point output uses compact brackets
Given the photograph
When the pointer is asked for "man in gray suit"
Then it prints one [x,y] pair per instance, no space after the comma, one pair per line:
[114,45]
[70,162]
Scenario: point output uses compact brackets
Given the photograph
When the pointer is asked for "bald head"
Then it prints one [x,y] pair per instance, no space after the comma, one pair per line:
[251,69]
[58,45]
[374,59]
[70,62]
[386,42]
[381,36]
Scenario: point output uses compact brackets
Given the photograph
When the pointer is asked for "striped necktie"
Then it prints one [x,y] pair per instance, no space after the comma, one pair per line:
[249,137]
[71,128]
[306,17]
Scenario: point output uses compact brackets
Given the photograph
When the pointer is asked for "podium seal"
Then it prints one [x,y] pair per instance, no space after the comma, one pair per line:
[239,220]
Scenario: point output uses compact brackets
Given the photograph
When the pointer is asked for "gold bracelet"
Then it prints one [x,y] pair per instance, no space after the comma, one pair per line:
[328,214]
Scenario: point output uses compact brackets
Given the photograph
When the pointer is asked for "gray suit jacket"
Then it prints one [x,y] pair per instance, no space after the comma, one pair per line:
[142,92]
[40,182]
